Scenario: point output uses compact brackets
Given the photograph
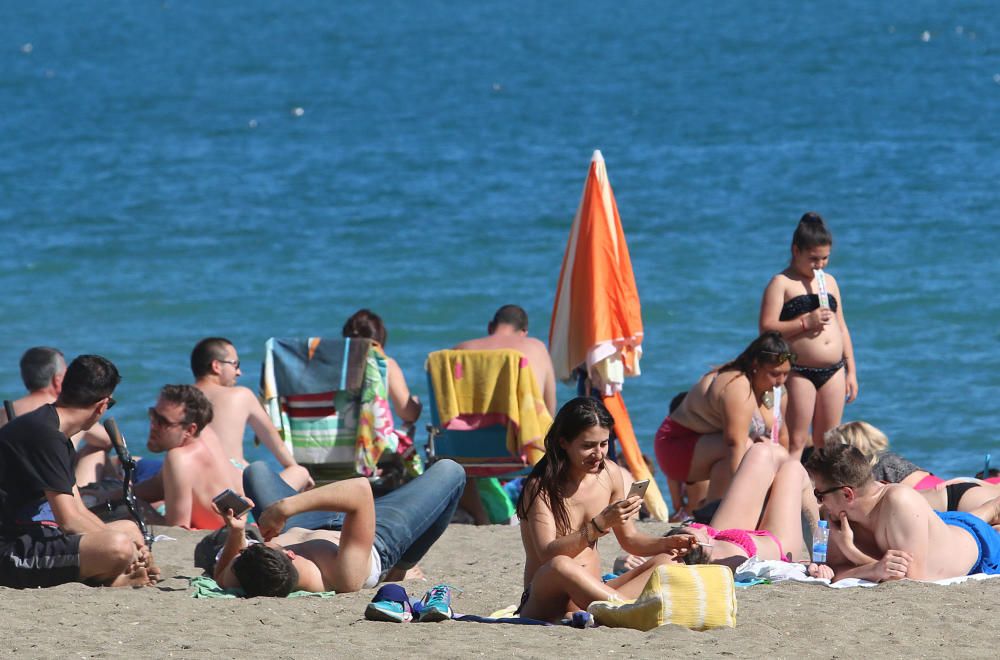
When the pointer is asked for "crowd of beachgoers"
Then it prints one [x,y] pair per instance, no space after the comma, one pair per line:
[751,452]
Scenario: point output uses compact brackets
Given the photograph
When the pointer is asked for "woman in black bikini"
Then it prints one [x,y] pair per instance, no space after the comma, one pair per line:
[825,375]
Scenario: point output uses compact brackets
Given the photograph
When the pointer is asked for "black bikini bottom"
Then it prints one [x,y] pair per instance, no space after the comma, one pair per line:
[818,375]
[955,493]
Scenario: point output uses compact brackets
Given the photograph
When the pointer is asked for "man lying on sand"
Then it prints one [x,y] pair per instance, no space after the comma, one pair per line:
[195,469]
[336,537]
[884,532]
[47,535]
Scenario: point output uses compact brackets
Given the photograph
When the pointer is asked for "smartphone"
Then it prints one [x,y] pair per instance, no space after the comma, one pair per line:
[228,499]
[638,488]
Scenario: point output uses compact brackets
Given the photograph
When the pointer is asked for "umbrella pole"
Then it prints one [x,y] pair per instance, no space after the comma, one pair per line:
[633,456]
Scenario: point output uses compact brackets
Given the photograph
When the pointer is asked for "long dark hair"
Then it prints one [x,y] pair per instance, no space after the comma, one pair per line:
[547,478]
[769,348]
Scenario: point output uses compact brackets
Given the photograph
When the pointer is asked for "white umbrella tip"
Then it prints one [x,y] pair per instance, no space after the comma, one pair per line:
[597,157]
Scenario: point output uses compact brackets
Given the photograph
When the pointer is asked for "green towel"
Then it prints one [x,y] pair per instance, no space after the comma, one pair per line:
[206,587]
[495,500]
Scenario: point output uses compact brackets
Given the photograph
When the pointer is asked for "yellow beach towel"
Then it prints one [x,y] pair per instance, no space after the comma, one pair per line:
[698,597]
[474,389]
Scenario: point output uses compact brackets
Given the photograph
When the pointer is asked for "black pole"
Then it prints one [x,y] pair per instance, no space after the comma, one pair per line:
[8,407]
[128,468]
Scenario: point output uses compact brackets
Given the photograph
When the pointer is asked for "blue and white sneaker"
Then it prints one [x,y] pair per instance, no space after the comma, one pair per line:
[436,604]
[390,604]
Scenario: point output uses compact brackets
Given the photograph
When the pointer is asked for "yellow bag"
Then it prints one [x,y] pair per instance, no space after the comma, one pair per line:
[699,597]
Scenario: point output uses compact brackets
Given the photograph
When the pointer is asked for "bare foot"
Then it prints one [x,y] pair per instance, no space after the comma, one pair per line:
[137,578]
[989,511]
[680,515]
[396,574]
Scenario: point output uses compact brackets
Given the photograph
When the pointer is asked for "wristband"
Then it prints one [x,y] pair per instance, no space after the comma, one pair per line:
[597,527]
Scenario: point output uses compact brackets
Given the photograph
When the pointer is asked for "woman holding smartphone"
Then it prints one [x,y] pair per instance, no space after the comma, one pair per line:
[572,498]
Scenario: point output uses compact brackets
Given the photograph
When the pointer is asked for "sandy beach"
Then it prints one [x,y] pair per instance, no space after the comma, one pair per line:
[905,619]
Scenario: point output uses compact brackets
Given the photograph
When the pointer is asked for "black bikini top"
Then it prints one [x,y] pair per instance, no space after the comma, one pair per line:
[804,304]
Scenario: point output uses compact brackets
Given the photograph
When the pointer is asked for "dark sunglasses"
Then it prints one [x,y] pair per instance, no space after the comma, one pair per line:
[156,419]
[781,358]
[235,363]
[111,403]
[820,494]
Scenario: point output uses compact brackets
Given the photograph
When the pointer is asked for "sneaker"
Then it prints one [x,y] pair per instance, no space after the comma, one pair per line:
[391,603]
[436,604]
[387,610]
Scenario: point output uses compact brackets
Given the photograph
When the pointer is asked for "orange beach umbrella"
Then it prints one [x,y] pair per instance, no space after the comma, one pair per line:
[596,319]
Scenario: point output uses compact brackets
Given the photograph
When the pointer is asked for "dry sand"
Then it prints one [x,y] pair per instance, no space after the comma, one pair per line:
[905,619]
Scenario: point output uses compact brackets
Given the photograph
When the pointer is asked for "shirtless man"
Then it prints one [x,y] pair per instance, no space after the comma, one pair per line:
[195,469]
[47,535]
[216,366]
[336,537]
[42,371]
[882,532]
[509,329]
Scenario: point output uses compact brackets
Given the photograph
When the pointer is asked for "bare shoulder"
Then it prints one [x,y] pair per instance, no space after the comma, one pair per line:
[468,345]
[177,462]
[244,395]
[536,345]
[777,283]
[731,384]
[535,497]
[898,495]
[615,474]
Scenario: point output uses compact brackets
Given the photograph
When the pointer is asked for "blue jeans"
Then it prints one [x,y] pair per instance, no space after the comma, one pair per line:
[407,521]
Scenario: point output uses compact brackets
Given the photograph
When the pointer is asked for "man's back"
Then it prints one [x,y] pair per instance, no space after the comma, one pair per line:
[230,414]
[34,457]
[903,520]
[193,474]
[534,350]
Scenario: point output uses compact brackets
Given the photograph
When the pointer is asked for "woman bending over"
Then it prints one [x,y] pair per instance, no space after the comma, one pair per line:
[702,442]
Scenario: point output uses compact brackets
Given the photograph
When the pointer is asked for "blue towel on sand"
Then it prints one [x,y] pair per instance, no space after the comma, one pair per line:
[986,538]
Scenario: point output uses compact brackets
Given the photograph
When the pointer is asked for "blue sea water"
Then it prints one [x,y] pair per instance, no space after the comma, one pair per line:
[172,170]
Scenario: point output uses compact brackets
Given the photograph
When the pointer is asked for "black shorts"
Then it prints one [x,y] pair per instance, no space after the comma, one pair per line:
[38,556]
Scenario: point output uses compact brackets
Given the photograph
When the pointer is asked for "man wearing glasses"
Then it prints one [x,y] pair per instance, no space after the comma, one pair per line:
[216,368]
[47,535]
[882,532]
[195,469]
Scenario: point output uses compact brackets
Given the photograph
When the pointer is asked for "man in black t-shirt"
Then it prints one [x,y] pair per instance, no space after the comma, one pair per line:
[47,535]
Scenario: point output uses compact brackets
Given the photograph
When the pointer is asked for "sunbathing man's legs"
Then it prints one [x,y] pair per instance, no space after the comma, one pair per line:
[410,519]
[265,487]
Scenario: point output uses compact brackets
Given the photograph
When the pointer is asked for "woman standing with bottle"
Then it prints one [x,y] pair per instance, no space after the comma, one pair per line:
[804,304]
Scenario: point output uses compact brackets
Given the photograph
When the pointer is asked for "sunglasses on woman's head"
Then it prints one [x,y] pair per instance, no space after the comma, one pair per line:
[781,358]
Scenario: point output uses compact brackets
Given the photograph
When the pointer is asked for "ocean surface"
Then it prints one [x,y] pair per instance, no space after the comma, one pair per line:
[173,170]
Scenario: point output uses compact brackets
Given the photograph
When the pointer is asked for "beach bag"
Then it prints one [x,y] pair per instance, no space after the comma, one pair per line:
[699,597]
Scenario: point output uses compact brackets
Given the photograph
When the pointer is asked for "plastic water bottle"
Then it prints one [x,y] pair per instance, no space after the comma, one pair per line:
[821,536]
